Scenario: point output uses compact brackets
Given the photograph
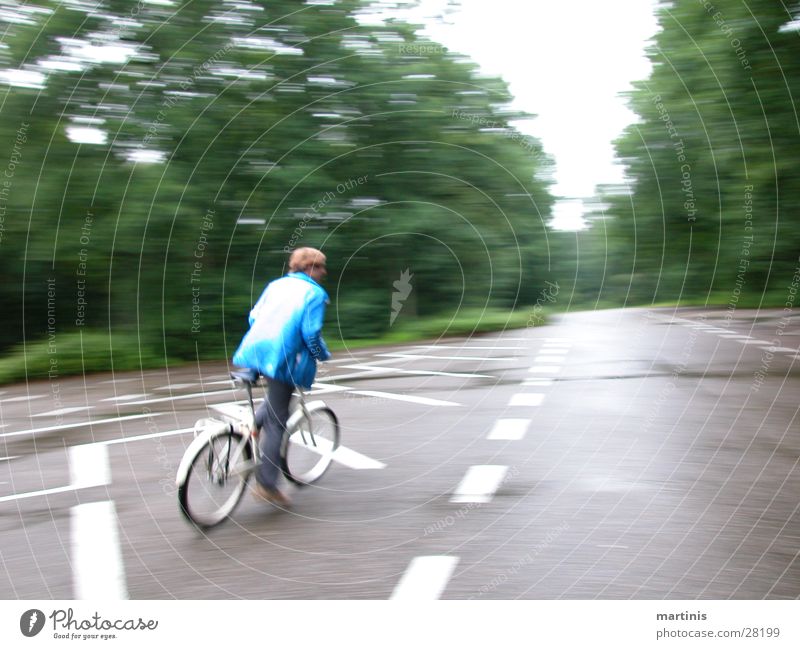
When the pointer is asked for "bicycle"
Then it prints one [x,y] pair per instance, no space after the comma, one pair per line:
[217,465]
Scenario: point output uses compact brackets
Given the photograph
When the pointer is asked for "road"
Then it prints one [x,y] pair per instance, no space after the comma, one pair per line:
[616,454]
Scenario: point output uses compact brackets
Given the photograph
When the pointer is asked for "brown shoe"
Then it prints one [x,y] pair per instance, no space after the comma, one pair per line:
[273,496]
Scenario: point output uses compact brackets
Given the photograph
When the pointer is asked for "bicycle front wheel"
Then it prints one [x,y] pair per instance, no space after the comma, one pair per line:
[216,479]
[309,445]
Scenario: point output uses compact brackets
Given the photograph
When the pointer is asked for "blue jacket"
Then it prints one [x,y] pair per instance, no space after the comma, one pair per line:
[285,337]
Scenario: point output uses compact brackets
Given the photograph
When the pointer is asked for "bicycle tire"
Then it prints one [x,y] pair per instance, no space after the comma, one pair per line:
[308,446]
[214,460]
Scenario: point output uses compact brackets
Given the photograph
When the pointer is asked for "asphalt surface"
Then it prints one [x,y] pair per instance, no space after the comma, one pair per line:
[659,460]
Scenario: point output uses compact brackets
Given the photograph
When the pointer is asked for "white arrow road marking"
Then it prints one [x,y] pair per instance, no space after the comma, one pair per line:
[425,578]
[479,484]
[97,567]
[343,455]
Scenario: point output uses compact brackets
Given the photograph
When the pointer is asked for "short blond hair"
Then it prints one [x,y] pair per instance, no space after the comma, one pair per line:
[304,258]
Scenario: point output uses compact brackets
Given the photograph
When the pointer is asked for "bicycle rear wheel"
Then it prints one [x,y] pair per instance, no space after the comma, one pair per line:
[216,479]
[309,445]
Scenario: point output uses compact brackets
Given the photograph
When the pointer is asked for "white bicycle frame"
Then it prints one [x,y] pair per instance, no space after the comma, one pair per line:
[242,420]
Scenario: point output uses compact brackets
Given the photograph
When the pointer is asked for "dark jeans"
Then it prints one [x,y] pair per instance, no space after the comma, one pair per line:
[271,419]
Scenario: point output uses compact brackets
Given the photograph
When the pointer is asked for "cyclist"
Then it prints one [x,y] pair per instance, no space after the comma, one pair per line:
[284,343]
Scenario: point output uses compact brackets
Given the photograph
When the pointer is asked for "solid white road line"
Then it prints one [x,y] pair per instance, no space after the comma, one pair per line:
[734,336]
[537,382]
[89,466]
[449,358]
[479,484]
[788,350]
[137,438]
[126,397]
[411,372]
[29,397]
[97,568]
[509,429]
[195,395]
[549,359]
[87,424]
[545,369]
[404,397]
[33,494]
[62,411]
[526,399]
[10,457]
[755,342]
[425,578]
[324,388]
[464,347]
[177,386]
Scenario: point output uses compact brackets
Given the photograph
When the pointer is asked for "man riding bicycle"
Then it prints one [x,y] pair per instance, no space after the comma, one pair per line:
[284,343]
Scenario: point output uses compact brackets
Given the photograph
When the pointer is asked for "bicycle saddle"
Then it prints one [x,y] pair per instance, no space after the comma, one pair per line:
[245,376]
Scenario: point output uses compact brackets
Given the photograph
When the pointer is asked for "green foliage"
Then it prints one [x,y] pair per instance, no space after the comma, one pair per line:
[76,353]
[710,214]
[382,148]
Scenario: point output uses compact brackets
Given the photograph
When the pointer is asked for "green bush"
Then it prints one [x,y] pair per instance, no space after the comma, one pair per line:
[77,353]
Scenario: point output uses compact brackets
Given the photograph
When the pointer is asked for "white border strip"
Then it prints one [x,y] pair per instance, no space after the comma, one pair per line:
[97,568]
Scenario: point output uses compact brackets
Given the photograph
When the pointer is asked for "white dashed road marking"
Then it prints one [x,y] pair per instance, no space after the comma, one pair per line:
[97,567]
[425,578]
[509,429]
[479,484]
[527,399]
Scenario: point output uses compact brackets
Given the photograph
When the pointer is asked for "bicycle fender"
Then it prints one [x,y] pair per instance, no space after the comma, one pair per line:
[193,448]
[297,414]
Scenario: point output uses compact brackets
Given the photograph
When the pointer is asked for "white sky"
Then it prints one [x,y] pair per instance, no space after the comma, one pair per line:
[565,61]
